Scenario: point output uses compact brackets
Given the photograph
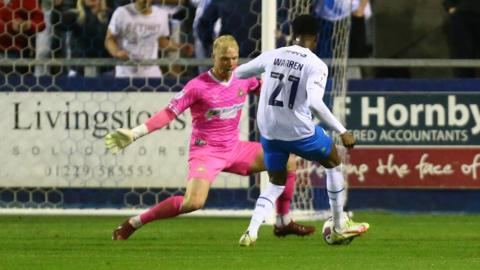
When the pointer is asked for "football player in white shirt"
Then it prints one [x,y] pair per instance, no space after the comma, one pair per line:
[294,81]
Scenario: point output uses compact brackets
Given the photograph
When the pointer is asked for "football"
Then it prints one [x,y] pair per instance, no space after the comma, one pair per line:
[327,231]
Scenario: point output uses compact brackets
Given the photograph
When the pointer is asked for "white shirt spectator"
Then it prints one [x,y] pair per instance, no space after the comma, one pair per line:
[138,34]
[334,10]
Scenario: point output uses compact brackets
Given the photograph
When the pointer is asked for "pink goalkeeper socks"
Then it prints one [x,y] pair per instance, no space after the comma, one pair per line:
[284,201]
[168,208]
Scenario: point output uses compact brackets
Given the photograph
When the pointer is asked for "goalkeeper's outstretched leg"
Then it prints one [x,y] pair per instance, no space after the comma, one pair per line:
[246,158]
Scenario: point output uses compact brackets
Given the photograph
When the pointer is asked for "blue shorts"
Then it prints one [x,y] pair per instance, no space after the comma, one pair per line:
[313,148]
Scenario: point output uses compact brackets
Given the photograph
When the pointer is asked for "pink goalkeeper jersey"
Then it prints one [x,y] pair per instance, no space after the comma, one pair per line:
[216,108]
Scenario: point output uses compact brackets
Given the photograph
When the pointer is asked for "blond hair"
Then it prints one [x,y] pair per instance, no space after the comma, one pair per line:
[223,42]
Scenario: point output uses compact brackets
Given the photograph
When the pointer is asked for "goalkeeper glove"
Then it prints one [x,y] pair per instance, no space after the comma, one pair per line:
[122,137]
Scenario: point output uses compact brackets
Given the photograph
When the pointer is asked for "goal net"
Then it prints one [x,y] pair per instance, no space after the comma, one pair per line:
[58,104]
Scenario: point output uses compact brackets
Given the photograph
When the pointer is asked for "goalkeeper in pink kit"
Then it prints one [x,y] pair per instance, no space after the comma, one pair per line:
[215,99]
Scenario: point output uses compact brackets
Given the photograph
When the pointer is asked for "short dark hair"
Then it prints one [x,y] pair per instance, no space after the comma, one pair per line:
[305,25]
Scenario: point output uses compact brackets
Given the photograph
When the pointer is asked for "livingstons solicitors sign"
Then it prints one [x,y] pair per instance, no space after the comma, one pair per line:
[429,140]
[56,139]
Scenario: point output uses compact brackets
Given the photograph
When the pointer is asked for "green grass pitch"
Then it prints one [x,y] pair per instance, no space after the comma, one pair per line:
[395,241]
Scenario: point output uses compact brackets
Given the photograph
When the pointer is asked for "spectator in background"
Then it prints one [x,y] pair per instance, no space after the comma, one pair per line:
[20,20]
[114,4]
[60,45]
[117,3]
[331,11]
[200,51]
[238,18]
[464,32]
[361,12]
[44,39]
[181,20]
[88,23]
[136,31]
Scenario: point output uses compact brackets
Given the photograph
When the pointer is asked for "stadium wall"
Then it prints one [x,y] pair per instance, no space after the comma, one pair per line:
[418,148]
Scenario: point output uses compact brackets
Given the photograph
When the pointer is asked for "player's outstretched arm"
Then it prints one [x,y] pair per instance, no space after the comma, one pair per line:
[252,68]
[327,117]
[315,89]
[123,137]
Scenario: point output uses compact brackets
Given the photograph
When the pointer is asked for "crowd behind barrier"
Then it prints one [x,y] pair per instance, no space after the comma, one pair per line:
[64,29]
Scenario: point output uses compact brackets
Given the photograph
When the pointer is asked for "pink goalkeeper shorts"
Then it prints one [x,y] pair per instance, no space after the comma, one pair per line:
[206,162]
